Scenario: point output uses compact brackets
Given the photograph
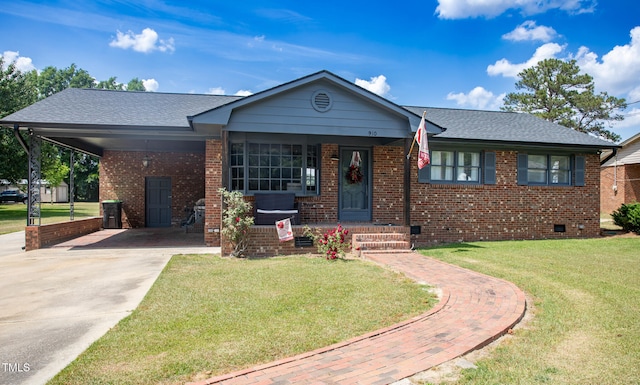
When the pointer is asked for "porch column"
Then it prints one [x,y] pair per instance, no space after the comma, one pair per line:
[407,182]
[33,209]
[213,200]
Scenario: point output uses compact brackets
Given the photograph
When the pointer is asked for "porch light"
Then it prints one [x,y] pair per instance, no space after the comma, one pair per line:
[145,161]
[335,157]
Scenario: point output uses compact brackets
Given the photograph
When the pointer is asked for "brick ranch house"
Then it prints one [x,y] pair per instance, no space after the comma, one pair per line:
[620,175]
[493,175]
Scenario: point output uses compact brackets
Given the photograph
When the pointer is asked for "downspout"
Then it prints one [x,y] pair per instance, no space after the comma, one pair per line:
[615,174]
[16,132]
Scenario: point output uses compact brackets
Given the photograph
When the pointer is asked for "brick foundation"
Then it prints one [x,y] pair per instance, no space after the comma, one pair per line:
[37,237]
[265,242]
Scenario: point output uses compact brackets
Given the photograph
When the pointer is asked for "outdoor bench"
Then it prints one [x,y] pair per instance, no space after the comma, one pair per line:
[272,207]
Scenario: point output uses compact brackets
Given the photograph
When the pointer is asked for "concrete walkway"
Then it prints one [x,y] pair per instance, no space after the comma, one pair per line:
[56,302]
[474,310]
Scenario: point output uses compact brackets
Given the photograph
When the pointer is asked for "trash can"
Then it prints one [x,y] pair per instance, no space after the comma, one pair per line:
[112,214]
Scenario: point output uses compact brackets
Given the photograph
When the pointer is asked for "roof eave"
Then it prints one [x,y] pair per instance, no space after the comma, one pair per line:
[522,144]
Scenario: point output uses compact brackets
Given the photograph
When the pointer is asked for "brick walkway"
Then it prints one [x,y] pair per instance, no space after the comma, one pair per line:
[474,310]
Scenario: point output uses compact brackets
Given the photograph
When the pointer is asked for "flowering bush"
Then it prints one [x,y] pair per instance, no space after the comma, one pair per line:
[236,220]
[332,244]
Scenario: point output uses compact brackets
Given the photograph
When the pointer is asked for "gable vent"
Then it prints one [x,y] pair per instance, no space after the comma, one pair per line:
[321,101]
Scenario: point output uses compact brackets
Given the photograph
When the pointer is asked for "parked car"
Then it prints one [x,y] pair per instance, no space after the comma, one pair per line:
[13,196]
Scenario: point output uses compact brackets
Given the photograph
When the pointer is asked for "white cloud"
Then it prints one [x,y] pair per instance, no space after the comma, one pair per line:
[23,64]
[619,70]
[631,119]
[461,9]
[507,69]
[146,42]
[629,126]
[478,98]
[529,31]
[217,91]
[222,91]
[634,95]
[378,85]
[150,84]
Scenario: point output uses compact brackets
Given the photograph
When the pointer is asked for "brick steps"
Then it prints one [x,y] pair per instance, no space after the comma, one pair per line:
[384,242]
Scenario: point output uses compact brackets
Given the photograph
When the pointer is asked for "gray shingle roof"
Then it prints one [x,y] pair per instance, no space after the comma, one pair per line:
[93,108]
[504,127]
[75,106]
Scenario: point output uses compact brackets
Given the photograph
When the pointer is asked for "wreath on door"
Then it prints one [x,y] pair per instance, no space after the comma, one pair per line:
[354,174]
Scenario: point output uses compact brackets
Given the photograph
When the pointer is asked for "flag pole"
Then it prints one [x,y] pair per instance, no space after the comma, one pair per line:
[414,137]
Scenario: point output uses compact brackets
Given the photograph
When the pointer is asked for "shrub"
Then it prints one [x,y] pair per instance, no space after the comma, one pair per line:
[628,217]
[332,244]
[236,220]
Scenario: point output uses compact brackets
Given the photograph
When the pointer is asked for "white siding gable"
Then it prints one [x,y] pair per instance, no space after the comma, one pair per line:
[628,154]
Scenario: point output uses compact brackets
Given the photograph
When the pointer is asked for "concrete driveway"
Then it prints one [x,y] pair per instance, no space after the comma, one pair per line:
[55,302]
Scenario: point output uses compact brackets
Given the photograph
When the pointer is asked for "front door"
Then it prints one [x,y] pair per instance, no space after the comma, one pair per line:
[158,202]
[355,184]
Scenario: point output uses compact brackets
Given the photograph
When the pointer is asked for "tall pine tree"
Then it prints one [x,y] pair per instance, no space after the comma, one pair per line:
[556,91]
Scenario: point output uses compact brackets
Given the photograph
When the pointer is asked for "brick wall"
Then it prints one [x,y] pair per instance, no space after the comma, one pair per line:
[455,213]
[37,237]
[122,177]
[388,184]
[265,242]
[632,183]
[505,211]
[323,208]
[627,179]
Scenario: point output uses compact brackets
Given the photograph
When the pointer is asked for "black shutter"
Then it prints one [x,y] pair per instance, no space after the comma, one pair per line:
[523,169]
[489,168]
[424,175]
[580,165]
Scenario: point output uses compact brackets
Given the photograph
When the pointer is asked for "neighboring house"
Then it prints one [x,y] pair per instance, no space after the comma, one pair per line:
[493,175]
[620,175]
[48,193]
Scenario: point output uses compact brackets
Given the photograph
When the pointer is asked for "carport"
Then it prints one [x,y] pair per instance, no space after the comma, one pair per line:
[151,158]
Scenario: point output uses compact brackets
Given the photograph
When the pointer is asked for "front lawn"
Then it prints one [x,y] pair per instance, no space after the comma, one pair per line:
[13,216]
[207,315]
[586,293]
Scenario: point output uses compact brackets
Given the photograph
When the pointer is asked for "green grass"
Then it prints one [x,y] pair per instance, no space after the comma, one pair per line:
[206,315]
[586,294]
[13,216]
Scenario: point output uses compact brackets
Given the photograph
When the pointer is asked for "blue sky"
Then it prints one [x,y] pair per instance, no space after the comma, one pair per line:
[437,53]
